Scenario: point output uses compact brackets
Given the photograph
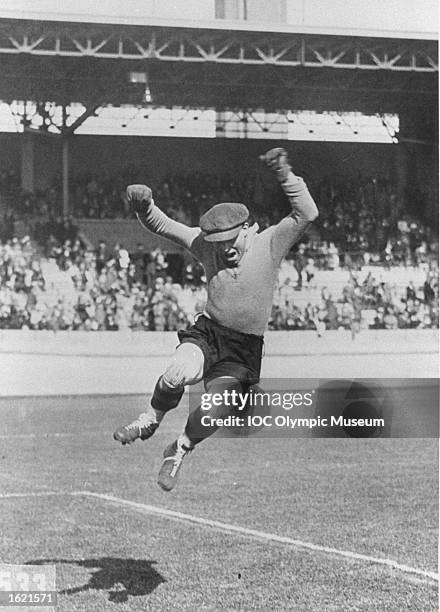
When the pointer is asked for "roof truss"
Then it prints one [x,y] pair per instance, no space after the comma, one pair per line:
[218,47]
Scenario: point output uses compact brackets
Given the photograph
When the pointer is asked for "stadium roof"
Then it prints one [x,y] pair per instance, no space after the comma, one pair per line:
[63,53]
[391,19]
[216,45]
[230,25]
[92,63]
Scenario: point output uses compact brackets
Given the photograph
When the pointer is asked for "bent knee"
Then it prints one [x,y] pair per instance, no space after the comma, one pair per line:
[186,366]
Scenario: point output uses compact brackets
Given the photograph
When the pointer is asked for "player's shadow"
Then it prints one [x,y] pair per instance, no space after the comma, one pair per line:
[121,578]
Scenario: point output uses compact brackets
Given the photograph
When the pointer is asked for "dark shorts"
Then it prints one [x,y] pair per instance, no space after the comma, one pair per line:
[227,352]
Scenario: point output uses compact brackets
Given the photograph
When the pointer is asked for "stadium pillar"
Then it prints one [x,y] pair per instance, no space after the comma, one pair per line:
[418,157]
[402,176]
[65,175]
[27,162]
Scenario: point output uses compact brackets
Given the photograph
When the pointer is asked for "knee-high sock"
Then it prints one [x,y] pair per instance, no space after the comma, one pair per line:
[165,397]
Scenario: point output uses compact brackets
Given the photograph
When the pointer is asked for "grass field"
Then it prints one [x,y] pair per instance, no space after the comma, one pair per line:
[73,497]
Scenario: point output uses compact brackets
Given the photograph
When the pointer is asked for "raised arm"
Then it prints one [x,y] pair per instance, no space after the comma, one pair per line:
[140,199]
[288,231]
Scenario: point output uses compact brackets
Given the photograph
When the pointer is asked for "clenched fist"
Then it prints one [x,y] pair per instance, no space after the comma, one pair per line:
[140,198]
[276,160]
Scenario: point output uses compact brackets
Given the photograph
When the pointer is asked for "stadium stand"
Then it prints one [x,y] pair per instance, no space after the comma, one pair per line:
[72,286]
[100,269]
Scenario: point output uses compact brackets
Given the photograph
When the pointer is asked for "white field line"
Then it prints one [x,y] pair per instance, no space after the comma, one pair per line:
[39,435]
[259,535]
[230,528]
[33,494]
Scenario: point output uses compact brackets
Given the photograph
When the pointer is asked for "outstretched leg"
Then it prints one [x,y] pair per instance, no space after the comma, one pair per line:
[195,431]
[185,368]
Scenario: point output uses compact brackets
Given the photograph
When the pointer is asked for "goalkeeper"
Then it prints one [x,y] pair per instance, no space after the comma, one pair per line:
[224,346]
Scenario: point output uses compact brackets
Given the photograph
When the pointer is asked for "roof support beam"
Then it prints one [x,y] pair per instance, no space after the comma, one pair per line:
[70,129]
[248,48]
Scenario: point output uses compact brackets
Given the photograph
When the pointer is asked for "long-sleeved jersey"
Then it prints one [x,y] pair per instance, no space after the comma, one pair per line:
[241,298]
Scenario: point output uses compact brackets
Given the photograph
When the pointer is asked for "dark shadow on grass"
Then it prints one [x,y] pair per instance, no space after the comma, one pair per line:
[122,578]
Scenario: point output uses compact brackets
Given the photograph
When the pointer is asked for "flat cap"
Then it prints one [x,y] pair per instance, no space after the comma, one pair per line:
[223,221]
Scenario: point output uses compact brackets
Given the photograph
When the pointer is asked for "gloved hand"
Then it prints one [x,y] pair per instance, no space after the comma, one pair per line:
[140,198]
[276,159]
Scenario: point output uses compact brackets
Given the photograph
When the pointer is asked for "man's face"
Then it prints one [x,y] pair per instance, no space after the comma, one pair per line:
[231,251]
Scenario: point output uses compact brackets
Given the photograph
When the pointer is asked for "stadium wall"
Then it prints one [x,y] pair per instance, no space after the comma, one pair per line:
[72,363]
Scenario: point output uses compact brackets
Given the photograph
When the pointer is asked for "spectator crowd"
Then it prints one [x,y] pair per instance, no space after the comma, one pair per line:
[362,220]
[368,303]
[71,287]
[56,281]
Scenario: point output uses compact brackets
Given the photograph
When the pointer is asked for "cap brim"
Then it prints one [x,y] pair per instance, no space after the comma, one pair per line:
[220,236]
